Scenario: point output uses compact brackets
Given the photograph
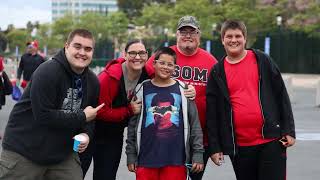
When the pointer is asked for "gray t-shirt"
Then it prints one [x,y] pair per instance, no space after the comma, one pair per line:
[129,84]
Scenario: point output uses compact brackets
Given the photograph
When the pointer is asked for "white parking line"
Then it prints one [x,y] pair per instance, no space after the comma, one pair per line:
[308,136]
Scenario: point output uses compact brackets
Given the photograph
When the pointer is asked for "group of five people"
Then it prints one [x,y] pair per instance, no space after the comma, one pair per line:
[181,108]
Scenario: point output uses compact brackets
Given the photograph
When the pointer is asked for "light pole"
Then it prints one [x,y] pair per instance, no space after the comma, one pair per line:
[216,1]
[214,29]
[279,24]
[279,20]
[209,44]
[165,31]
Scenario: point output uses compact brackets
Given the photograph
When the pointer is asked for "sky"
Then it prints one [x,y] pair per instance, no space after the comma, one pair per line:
[19,12]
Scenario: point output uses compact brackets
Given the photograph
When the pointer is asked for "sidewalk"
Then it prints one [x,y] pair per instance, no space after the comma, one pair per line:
[303,158]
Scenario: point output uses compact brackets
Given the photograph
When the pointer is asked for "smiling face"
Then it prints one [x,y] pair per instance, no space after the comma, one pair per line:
[234,42]
[136,56]
[188,40]
[164,66]
[79,53]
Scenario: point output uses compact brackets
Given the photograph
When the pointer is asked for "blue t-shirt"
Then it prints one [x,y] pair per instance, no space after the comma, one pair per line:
[162,138]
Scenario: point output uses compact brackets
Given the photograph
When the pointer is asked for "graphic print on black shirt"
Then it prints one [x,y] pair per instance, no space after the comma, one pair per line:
[162,127]
[72,102]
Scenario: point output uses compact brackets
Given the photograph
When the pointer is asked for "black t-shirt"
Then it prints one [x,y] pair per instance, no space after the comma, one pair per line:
[28,64]
[162,138]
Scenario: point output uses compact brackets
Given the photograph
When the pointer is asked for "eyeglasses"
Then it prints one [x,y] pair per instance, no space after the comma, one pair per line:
[30,46]
[78,83]
[191,33]
[142,54]
[163,64]
[78,47]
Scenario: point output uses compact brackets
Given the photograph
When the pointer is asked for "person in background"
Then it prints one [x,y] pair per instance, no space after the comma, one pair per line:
[5,84]
[249,115]
[29,62]
[192,67]
[167,117]
[57,104]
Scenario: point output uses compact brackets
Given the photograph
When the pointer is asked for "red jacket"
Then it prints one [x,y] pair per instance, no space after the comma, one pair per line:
[112,92]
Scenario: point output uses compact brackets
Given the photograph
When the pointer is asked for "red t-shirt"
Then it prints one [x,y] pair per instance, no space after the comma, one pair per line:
[243,86]
[194,70]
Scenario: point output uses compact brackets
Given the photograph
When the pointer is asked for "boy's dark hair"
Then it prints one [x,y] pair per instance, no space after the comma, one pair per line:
[165,50]
[162,97]
[233,24]
[80,32]
[133,41]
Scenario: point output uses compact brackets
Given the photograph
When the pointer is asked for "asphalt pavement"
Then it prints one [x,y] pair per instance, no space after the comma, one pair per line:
[303,158]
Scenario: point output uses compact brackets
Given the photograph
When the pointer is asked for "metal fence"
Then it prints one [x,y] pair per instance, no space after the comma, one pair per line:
[294,52]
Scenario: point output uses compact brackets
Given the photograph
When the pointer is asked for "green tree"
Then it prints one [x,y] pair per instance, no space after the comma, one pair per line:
[208,13]
[10,28]
[3,42]
[155,18]
[306,17]
[29,26]
[18,37]
[117,25]
[95,22]
[131,8]
[45,38]
[62,27]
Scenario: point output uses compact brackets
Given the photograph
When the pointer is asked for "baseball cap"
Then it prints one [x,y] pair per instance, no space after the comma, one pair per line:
[33,44]
[188,21]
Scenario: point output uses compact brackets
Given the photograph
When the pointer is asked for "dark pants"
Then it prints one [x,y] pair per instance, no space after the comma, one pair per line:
[198,176]
[262,162]
[107,158]
[106,153]
[86,157]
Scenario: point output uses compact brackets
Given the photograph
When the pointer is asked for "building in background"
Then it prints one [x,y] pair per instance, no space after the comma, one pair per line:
[78,7]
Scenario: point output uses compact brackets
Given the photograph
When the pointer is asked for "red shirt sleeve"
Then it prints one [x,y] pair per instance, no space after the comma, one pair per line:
[149,66]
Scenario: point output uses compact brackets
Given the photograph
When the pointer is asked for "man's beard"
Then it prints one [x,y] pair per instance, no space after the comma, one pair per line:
[189,48]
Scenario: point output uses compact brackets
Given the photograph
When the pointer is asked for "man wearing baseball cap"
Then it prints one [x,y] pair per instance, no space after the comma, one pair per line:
[29,63]
[193,67]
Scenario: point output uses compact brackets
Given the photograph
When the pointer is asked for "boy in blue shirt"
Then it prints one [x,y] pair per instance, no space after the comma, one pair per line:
[160,137]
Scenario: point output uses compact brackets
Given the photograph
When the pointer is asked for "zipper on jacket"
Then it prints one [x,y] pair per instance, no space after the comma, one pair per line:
[231,119]
[233,139]
[262,133]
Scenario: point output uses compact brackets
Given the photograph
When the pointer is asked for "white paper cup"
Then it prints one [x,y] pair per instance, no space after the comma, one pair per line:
[77,140]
